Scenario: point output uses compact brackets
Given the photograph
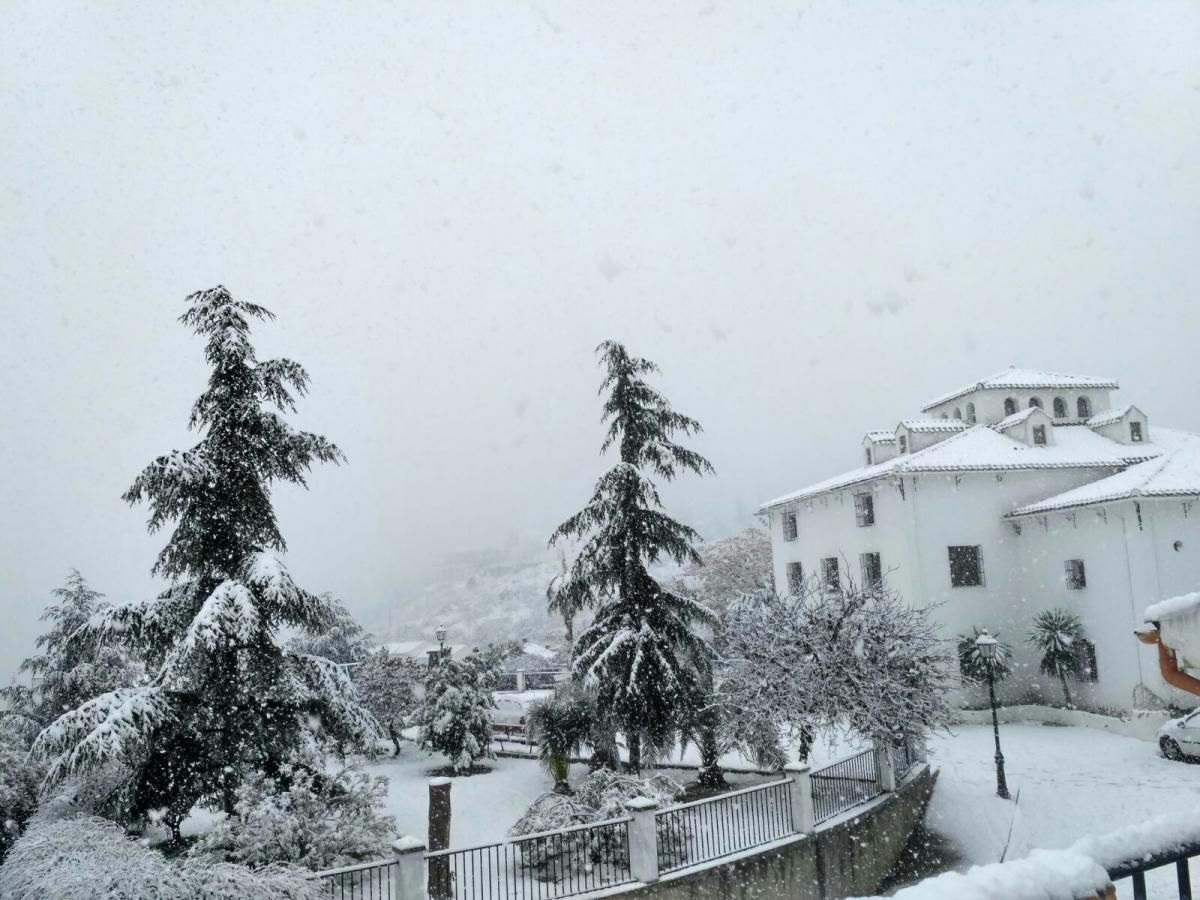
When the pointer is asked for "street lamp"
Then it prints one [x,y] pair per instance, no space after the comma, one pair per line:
[986,646]
[440,633]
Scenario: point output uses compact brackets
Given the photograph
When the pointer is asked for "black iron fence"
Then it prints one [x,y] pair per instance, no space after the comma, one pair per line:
[845,784]
[364,881]
[540,680]
[542,866]
[906,756]
[709,829]
[1136,871]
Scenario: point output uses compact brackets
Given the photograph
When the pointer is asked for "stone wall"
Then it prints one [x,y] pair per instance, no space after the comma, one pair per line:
[849,858]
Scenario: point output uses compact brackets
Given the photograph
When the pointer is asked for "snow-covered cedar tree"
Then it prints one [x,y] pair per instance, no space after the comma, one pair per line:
[859,661]
[601,797]
[455,717]
[84,857]
[562,725]
[385,685]
[68,669]
[641,656]
[343,642]
[974,668]
[730,568]
[1059,637]
[314,820]
[19,779]
[223,698]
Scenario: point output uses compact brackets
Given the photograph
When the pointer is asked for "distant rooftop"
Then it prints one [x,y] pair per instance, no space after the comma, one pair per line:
[882,437]
[1107,418]
[926,425]
[1028,379]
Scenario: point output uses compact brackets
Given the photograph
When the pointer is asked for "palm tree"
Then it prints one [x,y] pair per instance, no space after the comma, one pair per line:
[562,725]
[973,667]
[1058,636]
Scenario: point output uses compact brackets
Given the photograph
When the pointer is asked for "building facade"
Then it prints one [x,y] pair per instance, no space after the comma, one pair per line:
[1022,492]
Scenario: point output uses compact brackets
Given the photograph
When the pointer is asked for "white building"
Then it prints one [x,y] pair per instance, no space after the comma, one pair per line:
[1018,493]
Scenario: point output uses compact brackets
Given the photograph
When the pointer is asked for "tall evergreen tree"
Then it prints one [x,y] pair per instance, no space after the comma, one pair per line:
[224,698]
[641,654]
[66,672]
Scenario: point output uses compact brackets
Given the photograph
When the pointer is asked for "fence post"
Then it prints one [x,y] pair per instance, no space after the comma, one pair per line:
[887,767]
[409,880]
[803,815]
[643,839]
[520,681]
[440,886]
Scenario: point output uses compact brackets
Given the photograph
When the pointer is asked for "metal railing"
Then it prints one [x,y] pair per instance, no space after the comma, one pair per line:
[539,866]
[906,756]
[1136,871]
[703,830]
[363,881]
[845,785]
[538,680]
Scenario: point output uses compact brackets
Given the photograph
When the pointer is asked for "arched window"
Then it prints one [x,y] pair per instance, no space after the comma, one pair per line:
[958,413]
[970,413]
[1035,402]
[1060,408]
[1010,406]
[1084,408]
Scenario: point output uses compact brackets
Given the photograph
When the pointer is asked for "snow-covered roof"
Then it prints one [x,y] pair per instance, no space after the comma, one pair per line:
[1015,419]
[1028,379]
[1173,606]
[882,437]
[1179,626]
[933,425]
[531,649]
[1173,473]
[980,449]
[1107,418]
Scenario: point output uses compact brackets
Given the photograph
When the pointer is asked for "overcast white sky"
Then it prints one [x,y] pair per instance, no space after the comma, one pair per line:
[814,216]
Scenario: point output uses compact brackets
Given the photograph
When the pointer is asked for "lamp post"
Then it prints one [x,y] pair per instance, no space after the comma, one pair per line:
[986,645]
[440,633]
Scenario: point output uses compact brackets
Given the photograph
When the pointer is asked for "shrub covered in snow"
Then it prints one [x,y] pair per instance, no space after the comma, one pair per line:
[19,781]
[305,819]
[85,858]
[454,719]
[385,684]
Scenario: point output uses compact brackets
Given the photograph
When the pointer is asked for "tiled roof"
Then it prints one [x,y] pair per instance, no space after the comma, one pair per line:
[929,425]
[982,449]
[882,437]
[1015,419]
[1028,379]
[1175,473]
[1107,418]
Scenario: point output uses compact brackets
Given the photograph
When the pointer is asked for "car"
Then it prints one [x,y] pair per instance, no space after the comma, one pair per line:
[1180,738]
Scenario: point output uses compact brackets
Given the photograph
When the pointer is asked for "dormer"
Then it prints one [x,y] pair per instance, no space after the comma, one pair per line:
[878,446]
[1127,425]
[1031,426]
[917,434]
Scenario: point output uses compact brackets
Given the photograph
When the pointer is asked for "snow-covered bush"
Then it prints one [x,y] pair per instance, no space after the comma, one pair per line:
[385,685]
[85,858]
[600,798]
[454,720]
[305,819]
[19,780]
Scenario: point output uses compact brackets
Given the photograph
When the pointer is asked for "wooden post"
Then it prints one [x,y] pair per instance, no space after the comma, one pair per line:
[440,885]
[409,880]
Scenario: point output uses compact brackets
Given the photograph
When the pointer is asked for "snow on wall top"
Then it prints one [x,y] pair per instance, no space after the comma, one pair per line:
[927,425]
[1107,418]
[981,449]
[1173,473]
[1028,379]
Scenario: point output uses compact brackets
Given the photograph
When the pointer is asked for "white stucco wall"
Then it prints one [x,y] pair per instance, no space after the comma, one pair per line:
[989,404]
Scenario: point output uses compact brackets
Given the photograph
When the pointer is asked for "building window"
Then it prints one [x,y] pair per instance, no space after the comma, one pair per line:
[1135,432]
[1083,407]
[970,413]
[1010,406]
[903,443]
[966,566]
[1086,656]
[958,413]
[1076,576]
[872,570]
[943,416]
[1035,402]
[829,574]
[1060,408]
[864,509]
[868,456]
[795,578]
[789,526]
[1039,435]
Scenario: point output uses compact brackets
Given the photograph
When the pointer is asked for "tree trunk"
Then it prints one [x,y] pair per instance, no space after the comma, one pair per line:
[710,765]
[395,737]
[634,741]
[1062,676]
